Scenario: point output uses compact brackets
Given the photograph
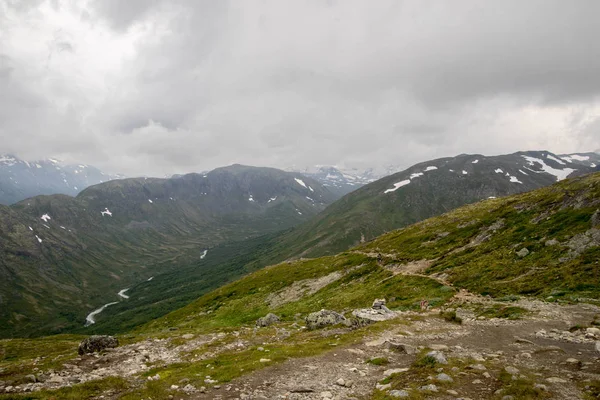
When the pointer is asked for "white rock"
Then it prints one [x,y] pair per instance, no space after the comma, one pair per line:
[392,371]
[555,379]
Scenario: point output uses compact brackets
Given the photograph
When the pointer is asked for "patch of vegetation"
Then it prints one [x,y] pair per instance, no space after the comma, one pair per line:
[505,312]
[450,316]
[378,361]
[591,390]
[520,388]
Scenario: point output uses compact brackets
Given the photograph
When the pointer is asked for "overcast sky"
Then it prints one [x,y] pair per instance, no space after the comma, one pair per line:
[154,87]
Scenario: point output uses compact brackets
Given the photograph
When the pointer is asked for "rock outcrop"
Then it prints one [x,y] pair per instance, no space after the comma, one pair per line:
[377,312]
[267,320]
[323,318]
[97,343]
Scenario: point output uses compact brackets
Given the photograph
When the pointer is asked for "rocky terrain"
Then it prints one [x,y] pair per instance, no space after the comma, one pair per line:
[548,352]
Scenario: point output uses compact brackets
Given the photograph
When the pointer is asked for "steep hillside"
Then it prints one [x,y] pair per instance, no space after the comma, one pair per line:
[479,247]
[422,191]
[493,299]
[63,257]
[435,187]
[20,179]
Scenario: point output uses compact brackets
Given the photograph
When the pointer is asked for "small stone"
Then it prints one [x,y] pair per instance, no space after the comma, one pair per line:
[477,382]
[429,388]
[267,320]
[438,356]
[572,361]
[174,387]
[487,375]
[523,252]
[261,349]
[265,360]
[326,395]
[477,367]
[541,387]
[341,382]
[187,336]
[401,347]
[398,393]
[189,388]
[525,355]
[392,371]
[452,392]
[438,347]
[551,242]
[379,386]
[594,331]
[508,397]
[512,370]
[554,379]
[444,378]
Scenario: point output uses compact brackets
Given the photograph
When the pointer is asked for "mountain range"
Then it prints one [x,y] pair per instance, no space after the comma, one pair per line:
[435,187]
[496,299]
[61,256]
[168,241]
[20,179]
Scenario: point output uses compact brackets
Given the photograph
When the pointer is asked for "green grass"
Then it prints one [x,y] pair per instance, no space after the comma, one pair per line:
[451,316]
[502,311]
[378,361]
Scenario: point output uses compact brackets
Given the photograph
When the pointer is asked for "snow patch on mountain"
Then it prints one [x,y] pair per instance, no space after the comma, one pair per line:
[300,182]
[560,174]
[398,185]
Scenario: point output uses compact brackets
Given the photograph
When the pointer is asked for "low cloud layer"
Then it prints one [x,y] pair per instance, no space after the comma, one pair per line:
[155,87]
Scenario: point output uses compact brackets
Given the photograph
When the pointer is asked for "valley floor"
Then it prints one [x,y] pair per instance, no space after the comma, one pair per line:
[541,350]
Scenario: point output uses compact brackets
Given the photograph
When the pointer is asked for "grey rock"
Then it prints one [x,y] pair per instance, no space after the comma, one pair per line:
[323,318]
[189,388]
[438,356]
[552,242]
[97,343]
[444,378]
[477,367]
[267,320]
[401,347]
[595,220]
[512,370]
[398,393]
[523,252]
[429,388]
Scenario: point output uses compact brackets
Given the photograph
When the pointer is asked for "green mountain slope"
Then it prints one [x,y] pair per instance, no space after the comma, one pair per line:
[478,248]
[422,191]
[434,187]
[62,257]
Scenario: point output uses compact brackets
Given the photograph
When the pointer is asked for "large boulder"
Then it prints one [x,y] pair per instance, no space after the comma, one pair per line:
[97,343]
[323,318]
[267,320]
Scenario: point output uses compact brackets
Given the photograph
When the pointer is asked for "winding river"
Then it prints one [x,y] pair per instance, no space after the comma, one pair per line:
[90,319]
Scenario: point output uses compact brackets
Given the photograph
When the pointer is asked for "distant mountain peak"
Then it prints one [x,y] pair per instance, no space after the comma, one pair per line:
[20,179]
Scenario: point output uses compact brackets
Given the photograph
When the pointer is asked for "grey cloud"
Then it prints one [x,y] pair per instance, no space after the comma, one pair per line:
[281,83]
